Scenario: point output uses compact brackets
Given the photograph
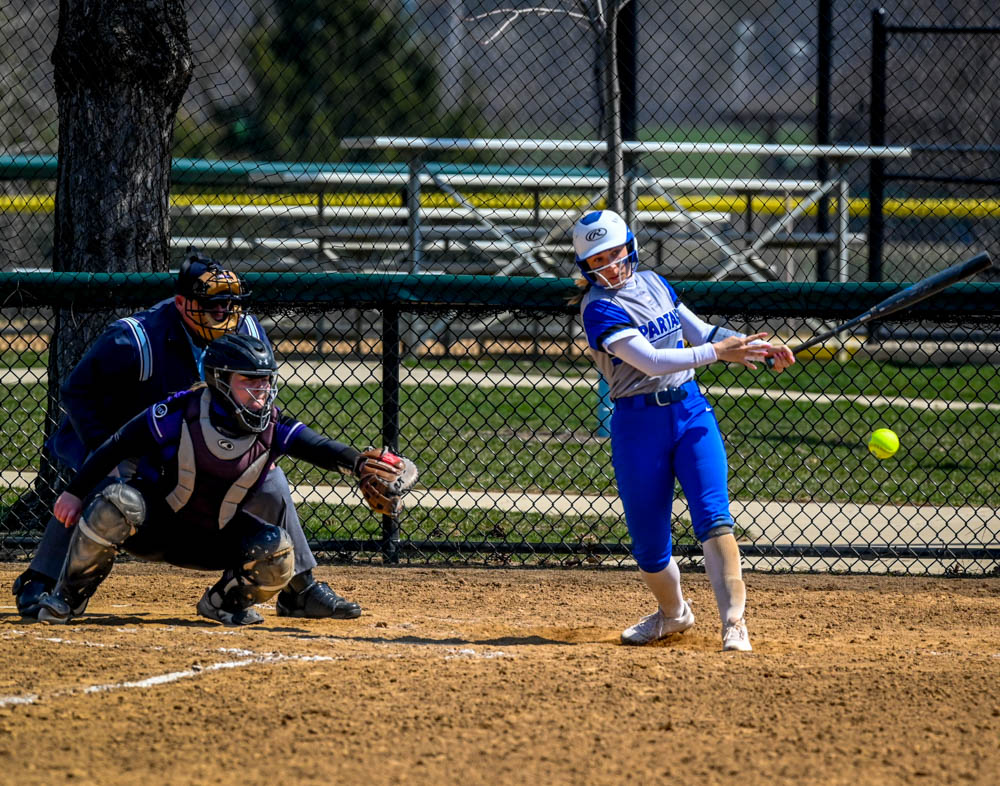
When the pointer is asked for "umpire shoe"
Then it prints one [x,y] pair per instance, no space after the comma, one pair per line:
[213,606]
[29,588]
[655,627]
[735,637]
[317,601]
[56,609]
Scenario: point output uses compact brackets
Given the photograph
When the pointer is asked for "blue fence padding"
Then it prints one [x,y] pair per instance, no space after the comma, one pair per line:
[372,290]
[329,290]
[189,171]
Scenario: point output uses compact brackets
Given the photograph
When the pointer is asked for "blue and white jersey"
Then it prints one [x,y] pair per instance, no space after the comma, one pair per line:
[647,306]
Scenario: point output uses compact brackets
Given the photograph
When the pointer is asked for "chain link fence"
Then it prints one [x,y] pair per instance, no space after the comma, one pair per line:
[289,82]
[488,386]
[786,157]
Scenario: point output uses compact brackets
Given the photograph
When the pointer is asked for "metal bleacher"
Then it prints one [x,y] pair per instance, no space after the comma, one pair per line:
[503,219]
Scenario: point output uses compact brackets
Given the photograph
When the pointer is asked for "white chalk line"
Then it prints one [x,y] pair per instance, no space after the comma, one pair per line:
[955,654]
[469,652]
[162,679]
[174,676]
[57,640]
[249,658]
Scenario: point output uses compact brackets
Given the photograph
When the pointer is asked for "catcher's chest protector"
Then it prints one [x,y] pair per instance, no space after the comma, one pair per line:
[214,471]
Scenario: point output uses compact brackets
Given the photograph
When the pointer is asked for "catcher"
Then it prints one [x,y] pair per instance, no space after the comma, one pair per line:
[200,457]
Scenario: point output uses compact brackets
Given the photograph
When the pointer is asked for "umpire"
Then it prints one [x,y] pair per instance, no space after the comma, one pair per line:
[138,361]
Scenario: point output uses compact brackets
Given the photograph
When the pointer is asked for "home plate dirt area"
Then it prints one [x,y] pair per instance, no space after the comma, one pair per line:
[483,676]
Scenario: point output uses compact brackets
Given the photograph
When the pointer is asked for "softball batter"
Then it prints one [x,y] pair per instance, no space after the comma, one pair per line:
[662,426]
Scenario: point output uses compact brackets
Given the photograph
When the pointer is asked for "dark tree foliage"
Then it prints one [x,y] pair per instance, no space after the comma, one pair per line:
[327,69]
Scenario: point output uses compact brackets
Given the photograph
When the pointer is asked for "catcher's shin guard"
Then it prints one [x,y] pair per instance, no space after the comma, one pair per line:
[722,564]
[266,565]
[111,517]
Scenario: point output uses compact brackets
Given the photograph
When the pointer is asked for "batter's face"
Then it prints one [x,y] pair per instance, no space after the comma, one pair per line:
[610,268]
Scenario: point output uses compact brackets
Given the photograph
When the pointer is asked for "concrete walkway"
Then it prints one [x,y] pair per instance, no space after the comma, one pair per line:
[766,522]
[360,372]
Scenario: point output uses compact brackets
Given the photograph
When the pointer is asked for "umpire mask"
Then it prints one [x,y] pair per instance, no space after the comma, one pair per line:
[213,297]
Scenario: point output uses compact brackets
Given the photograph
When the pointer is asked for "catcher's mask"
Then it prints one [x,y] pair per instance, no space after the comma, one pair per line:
[235,353]
[213,297]
[603,231]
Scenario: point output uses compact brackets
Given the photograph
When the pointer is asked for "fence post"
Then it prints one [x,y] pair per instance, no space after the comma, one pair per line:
[876,170]
[823,91]
[413,216]
[390,417]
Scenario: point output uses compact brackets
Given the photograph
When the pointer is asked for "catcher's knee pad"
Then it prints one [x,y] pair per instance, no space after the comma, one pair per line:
[267,563]
[113,515]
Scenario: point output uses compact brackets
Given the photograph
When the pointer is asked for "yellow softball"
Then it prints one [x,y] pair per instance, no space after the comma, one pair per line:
[883,443]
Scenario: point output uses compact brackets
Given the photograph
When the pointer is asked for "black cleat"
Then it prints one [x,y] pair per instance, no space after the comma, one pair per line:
[29,588]
[317,601]
[213,606]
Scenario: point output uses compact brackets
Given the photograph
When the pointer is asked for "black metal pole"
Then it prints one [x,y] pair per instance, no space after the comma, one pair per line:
[390,417]
[824,79]
[876,170]
[626,28]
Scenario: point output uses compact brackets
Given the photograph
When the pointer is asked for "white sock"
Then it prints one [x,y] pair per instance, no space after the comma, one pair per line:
[722,564]
[666,588]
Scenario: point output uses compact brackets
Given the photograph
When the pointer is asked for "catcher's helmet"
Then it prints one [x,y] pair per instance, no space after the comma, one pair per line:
[213,296]
[251,357]
[601,231]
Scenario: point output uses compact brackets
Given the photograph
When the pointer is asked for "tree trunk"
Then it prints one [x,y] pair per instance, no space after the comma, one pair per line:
[121,69]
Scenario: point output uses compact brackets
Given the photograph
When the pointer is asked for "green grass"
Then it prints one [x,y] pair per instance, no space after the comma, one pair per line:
[514,367]
[26,359]
[440,523]
[860,376]
[541,440]
[337,521]
[867,377]
[22,408]
[714,165]
[802,452]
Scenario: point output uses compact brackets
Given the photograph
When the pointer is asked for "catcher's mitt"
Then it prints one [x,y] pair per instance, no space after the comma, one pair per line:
[384,479]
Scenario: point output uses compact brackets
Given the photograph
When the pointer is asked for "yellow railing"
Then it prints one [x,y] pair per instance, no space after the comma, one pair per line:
[771,205]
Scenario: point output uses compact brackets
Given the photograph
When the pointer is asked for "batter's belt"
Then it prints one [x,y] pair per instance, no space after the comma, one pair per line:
[661,398]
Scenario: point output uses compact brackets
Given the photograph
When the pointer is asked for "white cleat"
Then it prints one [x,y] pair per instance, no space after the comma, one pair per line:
[655,627]
[735,637]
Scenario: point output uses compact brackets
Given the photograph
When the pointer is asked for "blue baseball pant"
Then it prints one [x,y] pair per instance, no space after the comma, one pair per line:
[652,446]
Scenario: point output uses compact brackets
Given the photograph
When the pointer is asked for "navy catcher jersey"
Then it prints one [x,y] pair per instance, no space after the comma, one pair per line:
[136,362]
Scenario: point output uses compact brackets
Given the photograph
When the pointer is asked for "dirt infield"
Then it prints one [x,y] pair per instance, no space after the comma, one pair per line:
[507,676]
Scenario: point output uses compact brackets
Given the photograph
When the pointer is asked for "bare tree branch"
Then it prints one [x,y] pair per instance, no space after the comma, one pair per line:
[602,16]
[513,15]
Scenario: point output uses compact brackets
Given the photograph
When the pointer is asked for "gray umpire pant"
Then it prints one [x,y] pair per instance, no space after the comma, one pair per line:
[272,502]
